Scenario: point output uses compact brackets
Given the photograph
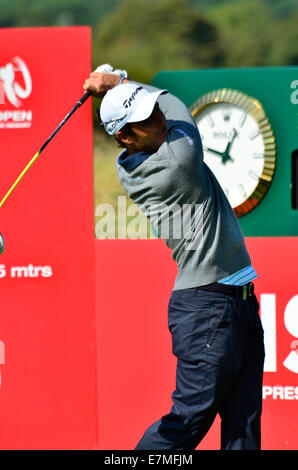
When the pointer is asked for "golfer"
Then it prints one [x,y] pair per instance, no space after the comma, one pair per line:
[213,317]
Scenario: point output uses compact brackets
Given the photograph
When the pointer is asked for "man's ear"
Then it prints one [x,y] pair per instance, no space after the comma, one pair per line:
[124,136]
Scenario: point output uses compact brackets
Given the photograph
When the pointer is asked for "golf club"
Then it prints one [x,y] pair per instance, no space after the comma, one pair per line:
[77,105]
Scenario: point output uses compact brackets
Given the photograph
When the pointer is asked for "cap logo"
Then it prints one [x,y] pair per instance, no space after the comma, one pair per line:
[127,103]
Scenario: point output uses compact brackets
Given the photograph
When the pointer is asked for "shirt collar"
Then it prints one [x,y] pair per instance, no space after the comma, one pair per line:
[130,162]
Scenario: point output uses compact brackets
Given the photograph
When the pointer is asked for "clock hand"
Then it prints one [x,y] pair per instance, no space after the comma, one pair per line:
[226,156]
[213,150]
[230,141]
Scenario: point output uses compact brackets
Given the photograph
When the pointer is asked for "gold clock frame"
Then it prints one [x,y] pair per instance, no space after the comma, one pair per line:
[255,109]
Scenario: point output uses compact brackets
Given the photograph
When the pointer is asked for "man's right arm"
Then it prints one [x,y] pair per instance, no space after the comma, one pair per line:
[101,82]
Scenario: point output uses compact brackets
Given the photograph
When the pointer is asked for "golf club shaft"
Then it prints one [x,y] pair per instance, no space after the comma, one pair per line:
[78,104]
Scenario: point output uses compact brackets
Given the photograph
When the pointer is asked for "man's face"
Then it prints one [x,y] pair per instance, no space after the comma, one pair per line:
[148,135]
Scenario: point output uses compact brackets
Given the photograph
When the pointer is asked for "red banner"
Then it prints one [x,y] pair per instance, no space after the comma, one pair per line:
[47,323]
[136,365]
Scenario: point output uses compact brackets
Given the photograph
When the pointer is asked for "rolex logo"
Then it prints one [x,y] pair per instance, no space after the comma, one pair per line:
[226,116]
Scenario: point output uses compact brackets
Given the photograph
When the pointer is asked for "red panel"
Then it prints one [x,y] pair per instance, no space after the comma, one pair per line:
[47,326]
[276,261]
[136,367]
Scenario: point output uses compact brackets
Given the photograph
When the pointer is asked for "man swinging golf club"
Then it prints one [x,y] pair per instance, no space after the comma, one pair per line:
[213,318]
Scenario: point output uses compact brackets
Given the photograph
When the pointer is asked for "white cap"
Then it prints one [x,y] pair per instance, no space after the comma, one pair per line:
[128,102]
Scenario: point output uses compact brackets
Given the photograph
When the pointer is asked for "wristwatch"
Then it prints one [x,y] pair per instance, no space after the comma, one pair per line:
[123,76]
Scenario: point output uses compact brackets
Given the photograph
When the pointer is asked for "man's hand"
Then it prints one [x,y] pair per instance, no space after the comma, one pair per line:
[99,83]
[103,79]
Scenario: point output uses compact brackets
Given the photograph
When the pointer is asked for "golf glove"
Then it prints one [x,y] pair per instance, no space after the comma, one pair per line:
[107,68]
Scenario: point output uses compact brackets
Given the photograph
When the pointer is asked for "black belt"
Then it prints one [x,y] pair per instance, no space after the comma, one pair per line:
[238,291]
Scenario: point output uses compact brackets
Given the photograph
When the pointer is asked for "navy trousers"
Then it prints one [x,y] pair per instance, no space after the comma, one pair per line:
[218,341]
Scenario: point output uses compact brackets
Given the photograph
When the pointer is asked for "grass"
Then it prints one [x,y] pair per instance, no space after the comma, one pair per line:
[106,185]
[107,191]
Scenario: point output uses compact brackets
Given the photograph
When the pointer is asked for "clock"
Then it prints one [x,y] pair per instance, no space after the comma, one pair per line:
[239,145]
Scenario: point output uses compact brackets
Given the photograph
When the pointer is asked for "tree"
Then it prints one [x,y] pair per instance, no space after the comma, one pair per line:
[146,37]
[245,31]
[284,45]
[55,12]
[253,35]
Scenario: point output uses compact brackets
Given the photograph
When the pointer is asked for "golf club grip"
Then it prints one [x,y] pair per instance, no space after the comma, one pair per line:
[84,97]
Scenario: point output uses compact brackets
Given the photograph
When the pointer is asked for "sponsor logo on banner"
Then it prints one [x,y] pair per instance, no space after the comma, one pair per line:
[15,88]
[273,361]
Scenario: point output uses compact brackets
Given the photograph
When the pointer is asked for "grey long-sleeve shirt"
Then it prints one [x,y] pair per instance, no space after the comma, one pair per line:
[184,201]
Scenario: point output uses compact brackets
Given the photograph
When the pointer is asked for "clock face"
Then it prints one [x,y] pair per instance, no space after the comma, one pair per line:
[238,144]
